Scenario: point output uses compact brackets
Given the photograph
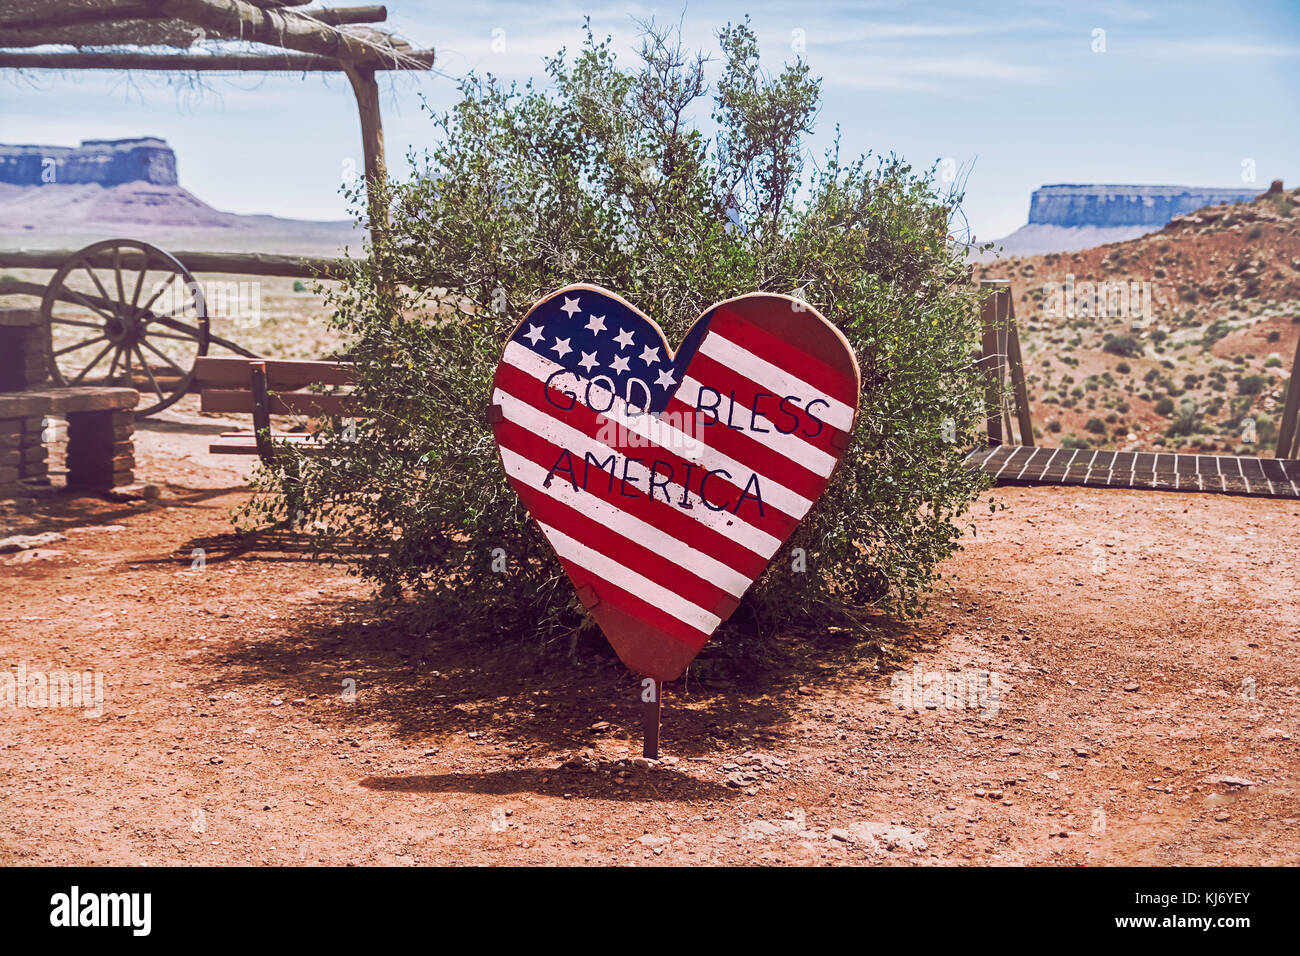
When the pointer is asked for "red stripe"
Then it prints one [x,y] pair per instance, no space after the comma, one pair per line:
[785,354]
[623,550]
[724,379]
[752,454]
[671,518]
[527,389]
[637,607]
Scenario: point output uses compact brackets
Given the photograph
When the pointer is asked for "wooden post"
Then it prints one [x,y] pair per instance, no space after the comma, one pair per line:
[1288,438]
[261,411]
[1017,366]
[992,357]
[651,715]
[366,91]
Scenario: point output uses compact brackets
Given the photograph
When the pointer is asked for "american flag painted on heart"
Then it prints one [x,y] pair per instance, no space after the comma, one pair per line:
[665,483]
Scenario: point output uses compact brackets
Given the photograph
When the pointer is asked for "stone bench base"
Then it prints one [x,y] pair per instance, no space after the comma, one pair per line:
[101,429]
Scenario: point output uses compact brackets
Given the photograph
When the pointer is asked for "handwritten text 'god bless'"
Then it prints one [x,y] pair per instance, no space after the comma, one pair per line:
[681,433]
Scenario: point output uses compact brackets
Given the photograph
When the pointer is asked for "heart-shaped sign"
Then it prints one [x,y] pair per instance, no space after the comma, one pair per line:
[665,483]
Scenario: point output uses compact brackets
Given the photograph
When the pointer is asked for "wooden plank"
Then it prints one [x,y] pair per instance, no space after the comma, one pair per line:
[1164,471]
[234,263]
[246,444]
[282,374]
[230,401]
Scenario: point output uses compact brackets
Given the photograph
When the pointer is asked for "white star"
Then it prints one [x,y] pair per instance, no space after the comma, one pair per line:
[534,334]
[666,379]
[596,324]
[619,364]
[624,338]
[650,355]
[588,361]
[562,347]
[570,306]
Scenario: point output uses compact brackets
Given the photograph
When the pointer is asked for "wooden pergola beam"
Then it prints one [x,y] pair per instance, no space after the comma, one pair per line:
[25,30]
[198,62]
[336,16]
[132,10]
[240,19]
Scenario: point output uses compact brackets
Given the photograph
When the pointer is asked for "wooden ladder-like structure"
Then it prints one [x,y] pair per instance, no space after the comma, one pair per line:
[1288,435]
[1001,357]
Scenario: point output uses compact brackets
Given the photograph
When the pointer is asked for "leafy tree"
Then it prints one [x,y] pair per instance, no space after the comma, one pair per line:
[601,175]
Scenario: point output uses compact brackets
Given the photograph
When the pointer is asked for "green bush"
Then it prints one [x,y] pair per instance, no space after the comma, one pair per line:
[1124,345]
[1252,384]
[603,178]
[1187,420]
[1096,426]
[1165,407]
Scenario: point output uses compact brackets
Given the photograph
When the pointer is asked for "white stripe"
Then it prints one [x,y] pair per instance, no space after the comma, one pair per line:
[629,526]
[566,436]
[777,380]
[658,431]
[789,445]
[627,579]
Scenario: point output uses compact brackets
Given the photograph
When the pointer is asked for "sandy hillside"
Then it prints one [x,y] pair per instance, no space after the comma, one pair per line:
[1210,355]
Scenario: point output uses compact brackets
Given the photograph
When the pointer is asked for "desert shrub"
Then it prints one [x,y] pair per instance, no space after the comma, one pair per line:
[1096,426]
[1252,384]
[1187,420]
[1165,406]
[1073,442]
[1124,345]
[1123,368]
[1216,330]
[600,176]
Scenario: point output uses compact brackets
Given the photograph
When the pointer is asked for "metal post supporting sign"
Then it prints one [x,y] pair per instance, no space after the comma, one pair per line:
[652,706]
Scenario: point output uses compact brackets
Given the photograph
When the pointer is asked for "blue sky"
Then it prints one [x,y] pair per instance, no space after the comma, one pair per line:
[1183,93]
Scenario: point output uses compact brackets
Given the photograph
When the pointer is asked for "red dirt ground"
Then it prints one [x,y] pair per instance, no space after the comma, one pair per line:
[1123,628]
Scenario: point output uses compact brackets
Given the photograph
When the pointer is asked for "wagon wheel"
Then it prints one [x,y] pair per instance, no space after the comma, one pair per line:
[134,305]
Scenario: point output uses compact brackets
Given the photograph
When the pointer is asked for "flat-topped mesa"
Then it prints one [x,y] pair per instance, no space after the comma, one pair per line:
[108,162]
[1108,205]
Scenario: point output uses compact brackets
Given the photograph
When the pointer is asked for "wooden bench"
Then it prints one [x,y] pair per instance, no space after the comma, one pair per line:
[262,388]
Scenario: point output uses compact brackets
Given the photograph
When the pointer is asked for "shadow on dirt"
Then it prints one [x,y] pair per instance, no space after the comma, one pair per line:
[372,662]
[661,784]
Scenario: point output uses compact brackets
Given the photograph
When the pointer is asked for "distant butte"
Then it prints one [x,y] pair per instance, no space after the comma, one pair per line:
[54,197]
[1066,217]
